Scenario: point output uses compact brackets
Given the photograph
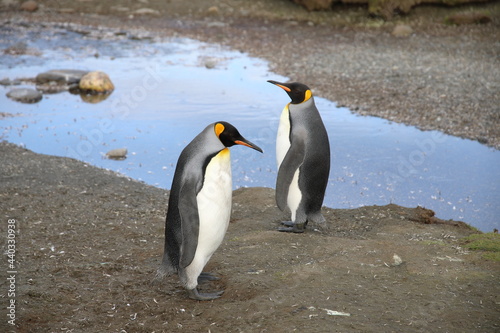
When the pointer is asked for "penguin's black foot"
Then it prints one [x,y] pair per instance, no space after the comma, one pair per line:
[289,226]
[206,277]
[195,294]
[287,223]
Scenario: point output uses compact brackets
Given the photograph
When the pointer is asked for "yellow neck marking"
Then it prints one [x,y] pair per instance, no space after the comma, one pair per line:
[308,95]
[224,153]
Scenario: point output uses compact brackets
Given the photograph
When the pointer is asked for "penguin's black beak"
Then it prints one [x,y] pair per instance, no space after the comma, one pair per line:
[245,142]
[281,85]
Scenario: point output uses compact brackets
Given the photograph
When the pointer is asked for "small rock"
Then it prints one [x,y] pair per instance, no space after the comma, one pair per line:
[60,76]
[210,63]
[402,30]
[29,6]
[214,10]
[216,25]
[117,154]
[8,82]
[66,10]
[146,11]
[25,95]
[96,82]
[312,5]
[468,18]
[396,260]
[11,4]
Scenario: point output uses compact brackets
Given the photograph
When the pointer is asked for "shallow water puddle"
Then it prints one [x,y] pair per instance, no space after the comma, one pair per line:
[167,92]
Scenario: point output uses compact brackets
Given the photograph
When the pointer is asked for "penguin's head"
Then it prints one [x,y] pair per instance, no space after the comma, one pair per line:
[229,136]
[298,92]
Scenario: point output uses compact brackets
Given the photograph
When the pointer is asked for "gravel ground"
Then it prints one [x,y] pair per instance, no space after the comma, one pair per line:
[441,77]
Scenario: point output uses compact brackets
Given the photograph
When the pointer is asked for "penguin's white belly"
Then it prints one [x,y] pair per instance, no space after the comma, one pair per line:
[283,137]
[294,194]
[214,206]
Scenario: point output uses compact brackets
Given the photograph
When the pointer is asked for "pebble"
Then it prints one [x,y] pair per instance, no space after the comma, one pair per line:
[117,154]
[468,18]
[25,95]
[29,6]
[210,63]
[60,76]
[214,10]
[402,30]
[146,11]
[96,82]
[8,82]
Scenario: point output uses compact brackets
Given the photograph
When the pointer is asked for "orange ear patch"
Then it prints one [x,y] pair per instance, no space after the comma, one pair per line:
[219,128]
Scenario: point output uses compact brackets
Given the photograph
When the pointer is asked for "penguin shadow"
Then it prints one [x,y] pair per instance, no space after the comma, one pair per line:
[283,224]
[255,209]
[169,285]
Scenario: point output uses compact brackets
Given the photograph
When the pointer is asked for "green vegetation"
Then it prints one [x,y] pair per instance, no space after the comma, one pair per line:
[489,243]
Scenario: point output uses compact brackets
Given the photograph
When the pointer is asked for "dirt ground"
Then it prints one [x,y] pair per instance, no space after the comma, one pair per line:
[88,243]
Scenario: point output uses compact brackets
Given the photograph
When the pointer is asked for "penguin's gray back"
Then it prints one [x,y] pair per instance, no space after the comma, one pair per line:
[311,166]
[305,117]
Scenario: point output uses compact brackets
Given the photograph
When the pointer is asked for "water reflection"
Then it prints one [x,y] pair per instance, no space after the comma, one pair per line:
[165,94]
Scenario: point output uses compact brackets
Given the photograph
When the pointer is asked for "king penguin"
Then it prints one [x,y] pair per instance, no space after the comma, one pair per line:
[303,158]
[199,206]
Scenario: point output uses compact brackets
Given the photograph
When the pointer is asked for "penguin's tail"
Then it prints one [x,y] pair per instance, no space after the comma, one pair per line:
[162,272]
[316,217]
[318,221]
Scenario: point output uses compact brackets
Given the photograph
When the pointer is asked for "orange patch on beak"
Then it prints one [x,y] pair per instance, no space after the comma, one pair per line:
[238,142]
[284,88]
[249,145]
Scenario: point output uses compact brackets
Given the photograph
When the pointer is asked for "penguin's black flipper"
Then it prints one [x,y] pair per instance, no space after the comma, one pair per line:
[190,223]
[195,294]
[292,161]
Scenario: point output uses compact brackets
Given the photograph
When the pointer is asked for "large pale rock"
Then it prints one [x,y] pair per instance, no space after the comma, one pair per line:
[96,82]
